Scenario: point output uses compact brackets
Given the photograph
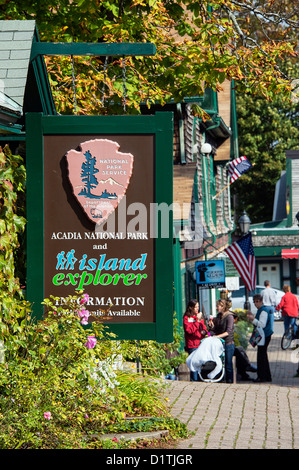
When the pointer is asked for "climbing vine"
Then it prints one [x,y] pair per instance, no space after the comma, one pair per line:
[13,307]
[12,221]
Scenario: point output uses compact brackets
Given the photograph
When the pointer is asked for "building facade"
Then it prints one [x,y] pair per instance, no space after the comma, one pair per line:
[202,151]
[276,243]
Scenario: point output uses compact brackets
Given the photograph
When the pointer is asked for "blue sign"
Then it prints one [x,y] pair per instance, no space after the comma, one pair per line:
[210,274]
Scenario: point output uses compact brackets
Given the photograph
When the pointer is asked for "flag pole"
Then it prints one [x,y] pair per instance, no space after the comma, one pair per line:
[214,197]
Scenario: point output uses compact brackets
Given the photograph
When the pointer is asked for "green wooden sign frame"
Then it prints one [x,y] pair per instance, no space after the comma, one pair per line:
[160,126]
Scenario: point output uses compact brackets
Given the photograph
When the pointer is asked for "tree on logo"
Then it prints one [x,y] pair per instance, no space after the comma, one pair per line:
[88,171]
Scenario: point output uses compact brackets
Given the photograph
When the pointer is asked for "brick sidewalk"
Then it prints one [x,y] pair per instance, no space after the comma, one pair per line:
[244,415]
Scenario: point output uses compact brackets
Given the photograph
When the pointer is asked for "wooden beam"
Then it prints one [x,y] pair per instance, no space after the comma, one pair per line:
[90,48]
[183,182]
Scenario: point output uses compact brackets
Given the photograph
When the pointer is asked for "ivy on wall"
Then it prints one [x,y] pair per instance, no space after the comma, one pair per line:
[12,226]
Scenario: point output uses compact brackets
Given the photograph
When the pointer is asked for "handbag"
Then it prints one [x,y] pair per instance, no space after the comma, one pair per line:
[255,337]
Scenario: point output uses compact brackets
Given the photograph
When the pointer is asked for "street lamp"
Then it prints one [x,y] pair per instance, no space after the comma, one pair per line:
[244,223]
[206,148]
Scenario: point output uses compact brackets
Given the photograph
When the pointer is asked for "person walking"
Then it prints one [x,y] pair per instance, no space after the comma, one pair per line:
[223,327]
[289,306]
[194,330]
[269,296]
[263,319]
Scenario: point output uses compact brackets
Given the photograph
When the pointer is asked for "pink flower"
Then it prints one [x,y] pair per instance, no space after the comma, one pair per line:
[84,299]
[84,314]
[91,342]
[47,415]
[86,416]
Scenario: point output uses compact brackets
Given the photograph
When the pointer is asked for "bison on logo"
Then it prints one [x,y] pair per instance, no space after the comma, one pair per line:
[99,175]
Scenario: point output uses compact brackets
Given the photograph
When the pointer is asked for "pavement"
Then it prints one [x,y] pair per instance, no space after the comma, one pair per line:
[242,415]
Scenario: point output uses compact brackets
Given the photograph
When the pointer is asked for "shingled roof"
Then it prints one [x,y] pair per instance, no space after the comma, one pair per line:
[15,48]
[23,85]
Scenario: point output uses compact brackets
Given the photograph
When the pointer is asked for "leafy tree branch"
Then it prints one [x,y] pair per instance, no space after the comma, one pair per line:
[198,42]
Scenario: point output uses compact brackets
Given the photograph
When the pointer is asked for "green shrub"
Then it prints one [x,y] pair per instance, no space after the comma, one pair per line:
[242,328]
[57,389]
[50,370]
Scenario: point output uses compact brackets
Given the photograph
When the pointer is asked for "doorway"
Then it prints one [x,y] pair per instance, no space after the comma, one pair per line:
[270,272]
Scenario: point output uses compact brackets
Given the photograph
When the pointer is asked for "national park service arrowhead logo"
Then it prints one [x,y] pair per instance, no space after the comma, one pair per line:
[99,175]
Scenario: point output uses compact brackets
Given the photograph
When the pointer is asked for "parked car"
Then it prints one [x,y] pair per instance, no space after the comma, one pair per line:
[238,299]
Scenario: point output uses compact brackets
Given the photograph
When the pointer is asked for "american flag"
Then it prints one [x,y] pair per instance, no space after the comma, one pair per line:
[242,255]
[237,167]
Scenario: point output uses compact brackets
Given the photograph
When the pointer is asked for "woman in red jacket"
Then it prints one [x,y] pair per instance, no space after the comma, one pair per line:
[194,329]
[289,306]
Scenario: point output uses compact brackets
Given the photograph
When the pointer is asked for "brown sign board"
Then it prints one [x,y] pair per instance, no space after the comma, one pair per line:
[99,196]
[113,266]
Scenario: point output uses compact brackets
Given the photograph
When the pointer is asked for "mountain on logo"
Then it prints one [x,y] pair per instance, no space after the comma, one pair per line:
[110,181]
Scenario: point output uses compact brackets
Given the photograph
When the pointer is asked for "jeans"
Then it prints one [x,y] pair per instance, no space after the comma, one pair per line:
[229,372]
[194,377]
[289,321]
